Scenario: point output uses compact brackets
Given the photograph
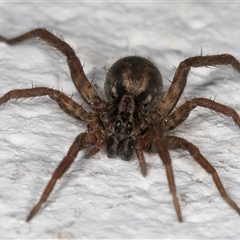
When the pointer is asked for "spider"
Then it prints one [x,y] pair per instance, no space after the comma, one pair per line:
[137,117]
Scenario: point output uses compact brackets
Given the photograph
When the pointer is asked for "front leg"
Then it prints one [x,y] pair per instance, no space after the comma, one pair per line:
[79,78]
[181,114]
[170,99]
[67,104]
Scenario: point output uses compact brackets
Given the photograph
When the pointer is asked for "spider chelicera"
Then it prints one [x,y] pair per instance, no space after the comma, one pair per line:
[135,118]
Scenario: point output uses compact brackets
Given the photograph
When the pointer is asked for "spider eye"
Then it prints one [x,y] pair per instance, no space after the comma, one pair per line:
[147,99]
[118,125]
[129,127]
[114,92]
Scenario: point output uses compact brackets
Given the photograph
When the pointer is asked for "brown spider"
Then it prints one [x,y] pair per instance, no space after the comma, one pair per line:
[136,117]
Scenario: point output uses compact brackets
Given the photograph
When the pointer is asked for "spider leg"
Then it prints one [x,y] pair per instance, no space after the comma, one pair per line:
[177,142]
[78,76]
[171,97]
[142,143]
[142,162]
[181,114]
[67,104]
[162,150]
[81,141]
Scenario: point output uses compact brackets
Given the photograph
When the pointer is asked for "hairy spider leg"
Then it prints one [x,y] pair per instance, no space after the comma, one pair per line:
[81,141]
[78,76]
[179,115]
[174,142]
[163,153]
[67,104]
[171,97]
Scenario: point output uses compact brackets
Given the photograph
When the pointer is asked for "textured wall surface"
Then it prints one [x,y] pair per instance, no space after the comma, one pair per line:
[109,198]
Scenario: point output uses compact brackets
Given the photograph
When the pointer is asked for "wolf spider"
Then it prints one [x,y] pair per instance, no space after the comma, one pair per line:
[136,116]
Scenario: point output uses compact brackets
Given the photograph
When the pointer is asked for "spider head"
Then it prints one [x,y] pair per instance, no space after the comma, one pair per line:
[133,87]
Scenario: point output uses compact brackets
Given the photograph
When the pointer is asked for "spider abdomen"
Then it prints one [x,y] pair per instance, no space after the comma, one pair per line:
[136,76]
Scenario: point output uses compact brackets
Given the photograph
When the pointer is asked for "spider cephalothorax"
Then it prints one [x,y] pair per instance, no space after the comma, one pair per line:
[135,118]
